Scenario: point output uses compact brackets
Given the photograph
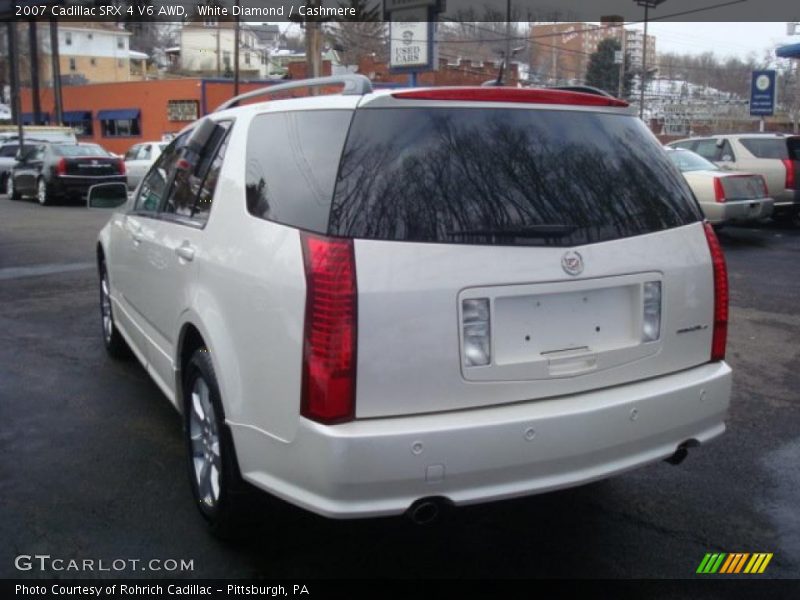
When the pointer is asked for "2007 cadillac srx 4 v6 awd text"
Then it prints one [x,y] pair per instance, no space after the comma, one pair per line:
[376,302]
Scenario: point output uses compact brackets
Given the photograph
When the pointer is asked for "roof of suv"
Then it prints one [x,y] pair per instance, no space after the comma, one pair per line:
[395,97]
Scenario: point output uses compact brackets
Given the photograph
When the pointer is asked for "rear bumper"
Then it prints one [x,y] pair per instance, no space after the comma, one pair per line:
[739,210]
[787,200]
[381,466]
[78,187]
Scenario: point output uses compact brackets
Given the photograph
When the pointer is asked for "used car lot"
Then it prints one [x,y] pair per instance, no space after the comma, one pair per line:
[95,459]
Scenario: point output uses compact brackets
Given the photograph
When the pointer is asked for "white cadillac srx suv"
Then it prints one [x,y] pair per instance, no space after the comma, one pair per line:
[376,301]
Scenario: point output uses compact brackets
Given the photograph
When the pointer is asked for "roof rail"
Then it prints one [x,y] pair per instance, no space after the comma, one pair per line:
[354,85]
[586,89]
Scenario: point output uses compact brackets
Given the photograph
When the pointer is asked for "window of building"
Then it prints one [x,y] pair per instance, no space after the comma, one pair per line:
[68,38]
[80,121]
[247,58]
[182,110]
[93,62]
[121,42]
[120,123]
[90,36]
[72,65]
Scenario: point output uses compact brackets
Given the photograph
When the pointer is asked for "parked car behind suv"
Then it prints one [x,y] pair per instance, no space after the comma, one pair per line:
[139,158]
[724,196]
[378,302]
[62,171]
[8,158]
[774,155]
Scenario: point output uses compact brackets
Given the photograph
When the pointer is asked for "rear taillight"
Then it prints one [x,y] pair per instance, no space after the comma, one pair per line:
[61,167]
[329,351]
[121,167]
[719,192]
[790,174]
[720,336]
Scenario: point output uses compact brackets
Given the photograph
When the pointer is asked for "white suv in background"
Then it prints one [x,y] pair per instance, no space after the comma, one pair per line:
[379,302]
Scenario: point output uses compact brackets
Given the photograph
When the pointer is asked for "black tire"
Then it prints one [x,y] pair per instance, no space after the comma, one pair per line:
[12,193]
[42,193]
[788,218]
[115,344]
[227,507]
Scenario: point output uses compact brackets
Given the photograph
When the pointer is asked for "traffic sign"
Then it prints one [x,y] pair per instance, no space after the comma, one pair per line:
[762,93]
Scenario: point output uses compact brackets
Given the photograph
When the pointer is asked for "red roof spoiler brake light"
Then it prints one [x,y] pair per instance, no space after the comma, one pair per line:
[509,94]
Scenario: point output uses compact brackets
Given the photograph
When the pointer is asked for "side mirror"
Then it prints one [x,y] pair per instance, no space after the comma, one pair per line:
[107,195]
[720,143]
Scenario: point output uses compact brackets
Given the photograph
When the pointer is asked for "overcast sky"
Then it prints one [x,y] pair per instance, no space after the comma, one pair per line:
[724,39]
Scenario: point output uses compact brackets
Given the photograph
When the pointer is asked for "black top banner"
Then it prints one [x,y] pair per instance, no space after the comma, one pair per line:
[209,11]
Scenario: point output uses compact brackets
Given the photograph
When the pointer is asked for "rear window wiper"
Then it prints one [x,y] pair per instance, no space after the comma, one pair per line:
[550,230]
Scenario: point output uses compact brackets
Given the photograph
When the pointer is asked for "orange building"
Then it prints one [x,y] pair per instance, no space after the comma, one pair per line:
[121,114]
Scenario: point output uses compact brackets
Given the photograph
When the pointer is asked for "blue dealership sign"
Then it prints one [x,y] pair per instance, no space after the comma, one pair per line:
[762,93]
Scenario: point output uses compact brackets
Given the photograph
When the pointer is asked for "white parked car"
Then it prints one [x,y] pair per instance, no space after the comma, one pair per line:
[378,302]
[139,158]
[724,196]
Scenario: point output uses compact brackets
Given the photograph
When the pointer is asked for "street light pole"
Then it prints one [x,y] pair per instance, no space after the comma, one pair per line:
[648,4]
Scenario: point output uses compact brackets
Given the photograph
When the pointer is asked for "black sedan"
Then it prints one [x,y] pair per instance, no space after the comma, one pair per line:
[63,171]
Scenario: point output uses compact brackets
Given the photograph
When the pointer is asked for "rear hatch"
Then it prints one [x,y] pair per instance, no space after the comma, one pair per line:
[742,186]
[508,252]
[86,160]
[91,166]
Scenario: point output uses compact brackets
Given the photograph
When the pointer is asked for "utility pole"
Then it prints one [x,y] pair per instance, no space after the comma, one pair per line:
[55,62]
[648,4]
[219,57]
[236,32]
[507,55]
[13,59]
[33,43]
[621,87]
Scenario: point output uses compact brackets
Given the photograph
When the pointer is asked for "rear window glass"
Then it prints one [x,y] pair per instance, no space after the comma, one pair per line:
[766,147]
[83,150]
[687,160]
[505,176]
[292,158]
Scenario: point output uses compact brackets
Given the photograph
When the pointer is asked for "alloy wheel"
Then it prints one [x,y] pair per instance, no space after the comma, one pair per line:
[41,192]
[205,442]
[105,308]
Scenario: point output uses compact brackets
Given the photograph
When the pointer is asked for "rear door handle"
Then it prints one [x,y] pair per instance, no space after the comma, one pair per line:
[185,251]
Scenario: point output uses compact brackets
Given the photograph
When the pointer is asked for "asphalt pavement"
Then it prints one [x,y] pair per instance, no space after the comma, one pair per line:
[92,462]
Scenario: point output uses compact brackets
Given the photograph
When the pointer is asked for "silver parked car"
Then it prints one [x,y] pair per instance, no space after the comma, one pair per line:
[724,196]
[139,158]
[776,156]
[383,301]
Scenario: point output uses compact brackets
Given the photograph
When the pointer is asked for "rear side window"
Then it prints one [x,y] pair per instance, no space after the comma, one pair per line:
[292,160]
[505,176]
[766,147]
